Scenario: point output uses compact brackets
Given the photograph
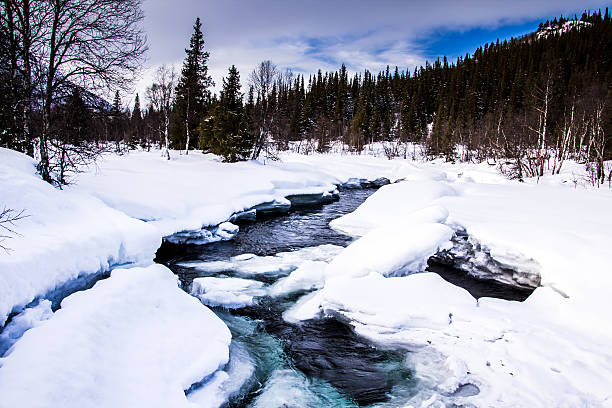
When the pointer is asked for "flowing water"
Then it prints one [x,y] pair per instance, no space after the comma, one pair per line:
[318,363]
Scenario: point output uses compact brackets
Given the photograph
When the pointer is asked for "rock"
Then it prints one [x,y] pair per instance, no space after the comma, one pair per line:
[471,257]
[307,200]
[244,216]
[272,207]
[353,183]
[222,232]
[379,182]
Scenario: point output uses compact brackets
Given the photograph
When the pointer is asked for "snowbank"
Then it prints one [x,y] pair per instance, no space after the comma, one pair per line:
[555,348]
[498,347]
[117,212]
[65,234]
[404,202]
[133,340]
[401,249]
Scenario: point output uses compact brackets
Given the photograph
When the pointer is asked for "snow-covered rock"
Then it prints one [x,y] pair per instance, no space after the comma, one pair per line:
[133,340]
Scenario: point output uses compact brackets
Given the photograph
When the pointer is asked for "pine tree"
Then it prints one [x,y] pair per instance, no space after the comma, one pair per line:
[136,125]
[225,131]
[193,96]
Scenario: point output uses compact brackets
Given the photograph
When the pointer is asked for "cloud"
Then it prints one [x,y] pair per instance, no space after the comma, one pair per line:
[318,34]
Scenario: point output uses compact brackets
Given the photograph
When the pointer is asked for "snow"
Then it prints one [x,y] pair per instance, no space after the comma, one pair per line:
[278,264]
[555,347]
[30,317]
[65,234]
[403,248]
[406,201]
[226,292]
[134,340]
[118,210]
[226,383]
[309,275]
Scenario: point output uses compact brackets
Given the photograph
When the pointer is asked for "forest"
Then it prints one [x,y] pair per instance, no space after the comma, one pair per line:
[525,104]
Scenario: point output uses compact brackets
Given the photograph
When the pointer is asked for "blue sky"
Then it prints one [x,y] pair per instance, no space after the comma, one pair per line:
[458,43]
[322,34]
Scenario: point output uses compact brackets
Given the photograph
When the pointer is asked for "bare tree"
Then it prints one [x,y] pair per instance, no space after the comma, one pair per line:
[542,98]
[94,44]
[161,97]
[262,79]
[8,217]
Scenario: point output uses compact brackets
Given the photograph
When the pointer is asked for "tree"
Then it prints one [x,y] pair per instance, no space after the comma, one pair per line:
[161,97]
[136,124]
[262,79]
[72,129]
[96,44]
[225,131]
[192,92]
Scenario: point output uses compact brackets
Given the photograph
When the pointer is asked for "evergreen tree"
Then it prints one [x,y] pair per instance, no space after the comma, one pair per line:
[136,125]
[192,96]
[225,130]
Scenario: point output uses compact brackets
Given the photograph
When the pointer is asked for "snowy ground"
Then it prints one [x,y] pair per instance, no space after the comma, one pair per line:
[555,349]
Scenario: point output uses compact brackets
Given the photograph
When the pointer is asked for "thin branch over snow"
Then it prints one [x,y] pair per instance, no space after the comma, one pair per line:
[8,217]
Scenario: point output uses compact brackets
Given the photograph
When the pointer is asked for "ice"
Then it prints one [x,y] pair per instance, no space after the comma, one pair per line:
[30,317]
[133,340]
[227,383]
[227,292]
[496,346]
[555,348]
[280,264]
[289,388]
[222,232]
[309,275]
[117,211]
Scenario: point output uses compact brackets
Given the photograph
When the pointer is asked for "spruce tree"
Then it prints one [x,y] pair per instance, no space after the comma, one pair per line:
[192,93]
[225,130]
[136,124]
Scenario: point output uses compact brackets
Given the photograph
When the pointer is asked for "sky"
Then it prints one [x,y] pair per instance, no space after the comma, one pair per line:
[306,36]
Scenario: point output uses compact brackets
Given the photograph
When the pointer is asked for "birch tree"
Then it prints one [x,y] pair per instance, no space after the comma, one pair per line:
[262,79]
[161,97]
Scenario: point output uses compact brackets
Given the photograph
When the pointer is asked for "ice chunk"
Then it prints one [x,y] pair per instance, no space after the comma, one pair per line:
[279,264]
[133,340]
[227,292]
[309,275]
[222,232]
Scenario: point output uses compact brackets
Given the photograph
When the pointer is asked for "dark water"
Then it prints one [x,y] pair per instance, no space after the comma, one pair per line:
[302,228]
[334,366]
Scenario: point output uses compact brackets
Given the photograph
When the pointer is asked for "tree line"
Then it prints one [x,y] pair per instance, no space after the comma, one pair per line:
[527,104]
